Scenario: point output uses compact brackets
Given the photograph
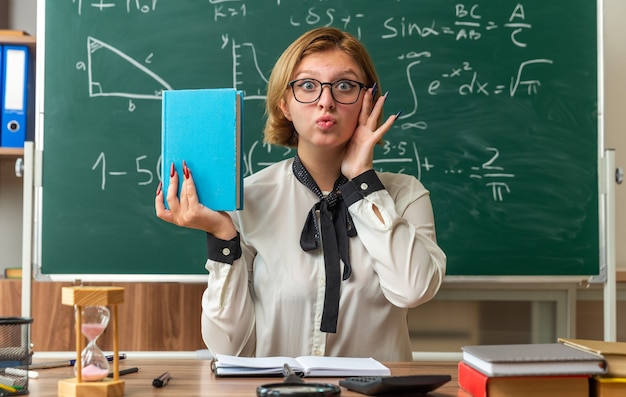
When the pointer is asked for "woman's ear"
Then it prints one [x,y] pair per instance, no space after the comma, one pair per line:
[285,109]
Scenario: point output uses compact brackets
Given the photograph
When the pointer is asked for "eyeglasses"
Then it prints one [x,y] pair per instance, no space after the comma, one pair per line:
[310,90]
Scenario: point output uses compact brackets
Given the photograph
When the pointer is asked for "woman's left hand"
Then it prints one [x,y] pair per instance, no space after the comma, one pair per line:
[359,155]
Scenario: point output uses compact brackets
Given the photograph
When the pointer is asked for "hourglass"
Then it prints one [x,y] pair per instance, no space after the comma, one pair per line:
[92,318]
[94,363]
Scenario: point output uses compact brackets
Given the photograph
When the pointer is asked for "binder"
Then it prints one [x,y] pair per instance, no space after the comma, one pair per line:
[1,85]
[14,95]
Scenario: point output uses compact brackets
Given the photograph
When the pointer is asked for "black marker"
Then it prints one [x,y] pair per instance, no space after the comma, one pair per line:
[162,380]
[125,371]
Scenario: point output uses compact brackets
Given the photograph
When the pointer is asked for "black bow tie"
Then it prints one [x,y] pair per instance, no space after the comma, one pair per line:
[336,228]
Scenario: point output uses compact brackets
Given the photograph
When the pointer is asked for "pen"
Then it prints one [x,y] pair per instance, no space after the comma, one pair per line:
[162,380]
[66,363]
[125,371]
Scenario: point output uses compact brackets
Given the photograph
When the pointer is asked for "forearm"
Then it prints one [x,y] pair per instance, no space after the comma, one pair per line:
[227,308]
[228,325]
[409,263]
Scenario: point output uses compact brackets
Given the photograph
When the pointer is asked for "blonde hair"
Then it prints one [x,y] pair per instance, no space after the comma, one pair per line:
[278,129]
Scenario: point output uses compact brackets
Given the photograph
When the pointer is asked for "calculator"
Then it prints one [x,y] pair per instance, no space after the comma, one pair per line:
[375,385]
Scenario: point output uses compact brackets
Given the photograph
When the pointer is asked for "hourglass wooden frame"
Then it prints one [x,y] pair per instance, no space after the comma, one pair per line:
[80,297]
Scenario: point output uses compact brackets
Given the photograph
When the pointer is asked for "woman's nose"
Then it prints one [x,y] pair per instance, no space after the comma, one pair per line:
[326,98]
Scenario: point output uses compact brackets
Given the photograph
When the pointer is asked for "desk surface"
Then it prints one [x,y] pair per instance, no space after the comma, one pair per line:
[193,378]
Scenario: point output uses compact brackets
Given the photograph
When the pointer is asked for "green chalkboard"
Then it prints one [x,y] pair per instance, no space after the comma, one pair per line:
[499,121]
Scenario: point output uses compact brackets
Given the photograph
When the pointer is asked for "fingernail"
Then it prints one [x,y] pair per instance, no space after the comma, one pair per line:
[374,90]
[398,114]
[185,171]
[159,187]
[172,170]
[386,93]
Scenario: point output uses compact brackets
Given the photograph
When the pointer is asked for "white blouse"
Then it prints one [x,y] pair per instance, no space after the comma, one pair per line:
[268,301]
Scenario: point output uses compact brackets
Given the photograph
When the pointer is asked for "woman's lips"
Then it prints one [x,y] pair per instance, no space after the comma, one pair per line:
[326,122]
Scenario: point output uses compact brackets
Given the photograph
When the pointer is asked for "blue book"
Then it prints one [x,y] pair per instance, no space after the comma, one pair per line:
[205,128]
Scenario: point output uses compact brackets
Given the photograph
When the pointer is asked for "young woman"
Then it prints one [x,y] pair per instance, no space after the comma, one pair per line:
[327,255]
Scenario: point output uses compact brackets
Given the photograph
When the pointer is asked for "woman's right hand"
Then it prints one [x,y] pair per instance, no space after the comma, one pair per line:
[188,211]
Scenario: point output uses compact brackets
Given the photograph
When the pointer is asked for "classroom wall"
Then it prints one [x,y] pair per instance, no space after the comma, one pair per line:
[22,14]
[11,197]
[4,14]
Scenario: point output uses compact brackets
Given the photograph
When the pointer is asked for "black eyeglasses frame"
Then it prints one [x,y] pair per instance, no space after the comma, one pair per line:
[330,84]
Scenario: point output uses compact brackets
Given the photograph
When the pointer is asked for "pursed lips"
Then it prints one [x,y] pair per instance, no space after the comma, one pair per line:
[326,122]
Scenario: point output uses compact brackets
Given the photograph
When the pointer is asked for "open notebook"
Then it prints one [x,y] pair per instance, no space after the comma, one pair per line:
[225,365]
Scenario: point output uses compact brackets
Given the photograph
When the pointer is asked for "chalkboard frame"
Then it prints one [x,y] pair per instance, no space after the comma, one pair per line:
[200,276]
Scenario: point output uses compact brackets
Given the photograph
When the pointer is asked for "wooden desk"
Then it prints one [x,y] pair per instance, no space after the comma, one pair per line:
[193,378]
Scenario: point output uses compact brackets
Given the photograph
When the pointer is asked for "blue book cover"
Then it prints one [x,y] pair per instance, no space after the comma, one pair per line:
[204,127]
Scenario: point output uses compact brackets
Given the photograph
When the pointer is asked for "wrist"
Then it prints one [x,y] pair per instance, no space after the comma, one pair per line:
[358,172]
[224,229]
[361,186]
[225,235]
[223,251]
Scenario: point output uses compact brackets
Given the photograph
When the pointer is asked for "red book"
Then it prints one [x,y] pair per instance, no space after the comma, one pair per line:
[479,384]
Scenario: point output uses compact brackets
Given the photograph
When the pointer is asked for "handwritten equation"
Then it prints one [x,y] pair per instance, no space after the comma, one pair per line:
[405,155]
[468,24]
[468,21]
